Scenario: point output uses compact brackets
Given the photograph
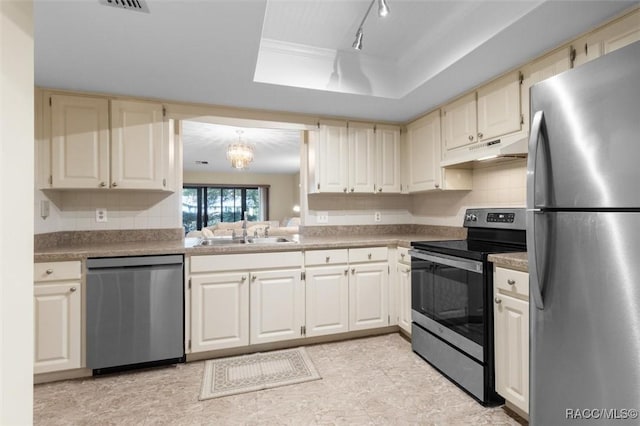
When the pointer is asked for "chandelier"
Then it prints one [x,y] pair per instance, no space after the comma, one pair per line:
[240,154]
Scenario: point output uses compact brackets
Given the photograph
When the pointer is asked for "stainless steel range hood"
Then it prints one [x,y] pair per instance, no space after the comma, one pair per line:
[509,146]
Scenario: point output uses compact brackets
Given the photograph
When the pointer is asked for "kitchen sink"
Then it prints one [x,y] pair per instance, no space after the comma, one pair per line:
[219,241]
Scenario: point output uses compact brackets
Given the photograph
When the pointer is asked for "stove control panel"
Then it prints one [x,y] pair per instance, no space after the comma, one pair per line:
[496,218]
[501,217]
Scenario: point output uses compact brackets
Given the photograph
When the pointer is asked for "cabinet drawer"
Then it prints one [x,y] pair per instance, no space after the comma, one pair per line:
[403,256]
[246,262]
[512,281]
[368,254]
[54,271]
[326,257]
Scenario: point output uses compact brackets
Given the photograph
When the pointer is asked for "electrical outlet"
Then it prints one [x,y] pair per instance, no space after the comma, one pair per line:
[322,217]
[377,216]
[101,215]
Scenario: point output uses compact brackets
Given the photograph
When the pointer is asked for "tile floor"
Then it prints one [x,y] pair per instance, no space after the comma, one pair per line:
[375,380]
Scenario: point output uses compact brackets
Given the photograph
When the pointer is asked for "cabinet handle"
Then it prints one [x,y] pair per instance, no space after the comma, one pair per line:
[114,184]
[437,185]
[244,278]
[402,255]
[352,189]
[470,137]
[380,189]
[344,189]
[49,271]
[369,256]
[480,135]
[72,289]
[253,278]
[102,184]
[164,182]
[346,271]
[353,271]
[511,282]
[327,259]
[498,300]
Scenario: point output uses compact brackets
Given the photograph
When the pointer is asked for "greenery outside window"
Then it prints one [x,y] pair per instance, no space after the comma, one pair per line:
[206,205]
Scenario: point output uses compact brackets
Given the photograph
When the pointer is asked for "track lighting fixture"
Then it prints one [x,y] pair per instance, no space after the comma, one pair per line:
[383,10]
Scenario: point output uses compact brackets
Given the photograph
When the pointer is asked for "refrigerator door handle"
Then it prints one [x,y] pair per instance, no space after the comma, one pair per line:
[537,131]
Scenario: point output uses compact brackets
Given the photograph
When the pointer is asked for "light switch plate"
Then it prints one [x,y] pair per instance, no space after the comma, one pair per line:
[101,215]
[322,217]
[44,209]
[377,216]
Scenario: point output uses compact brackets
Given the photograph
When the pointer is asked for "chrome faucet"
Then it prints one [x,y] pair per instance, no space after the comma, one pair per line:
[244,227]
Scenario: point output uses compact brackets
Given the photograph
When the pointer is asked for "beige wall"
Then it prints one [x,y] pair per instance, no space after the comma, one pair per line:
[500,184]
[16,221]
[283,188]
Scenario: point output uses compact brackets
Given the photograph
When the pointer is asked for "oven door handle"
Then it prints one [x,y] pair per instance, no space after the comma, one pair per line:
[466,264]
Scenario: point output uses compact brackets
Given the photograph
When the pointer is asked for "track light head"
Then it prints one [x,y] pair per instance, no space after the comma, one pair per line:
[357,43]
[383,8]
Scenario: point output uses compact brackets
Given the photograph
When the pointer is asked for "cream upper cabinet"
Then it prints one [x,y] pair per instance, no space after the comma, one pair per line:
[535,72]
[137,145]
[362,152]
[219,310]
[511,324]
[459,121]
[617,34]
[93,142]
[332,158]
[277,305]
[499,107]
[387,159]
[79,142]
[57,316]
[404,289]
[327,299]
[423,145]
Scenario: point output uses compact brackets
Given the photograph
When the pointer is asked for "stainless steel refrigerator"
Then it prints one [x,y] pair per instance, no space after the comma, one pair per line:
[583,241]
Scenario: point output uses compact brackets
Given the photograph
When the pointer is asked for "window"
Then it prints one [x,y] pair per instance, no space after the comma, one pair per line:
[204,206]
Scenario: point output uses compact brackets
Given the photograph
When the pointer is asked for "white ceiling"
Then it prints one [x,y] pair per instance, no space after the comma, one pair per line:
[294,56]
[422,54]
[275,150]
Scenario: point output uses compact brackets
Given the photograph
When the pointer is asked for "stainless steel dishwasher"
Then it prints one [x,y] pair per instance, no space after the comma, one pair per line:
[135,312]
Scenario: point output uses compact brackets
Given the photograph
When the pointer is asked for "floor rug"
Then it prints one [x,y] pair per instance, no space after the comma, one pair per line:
[247,373]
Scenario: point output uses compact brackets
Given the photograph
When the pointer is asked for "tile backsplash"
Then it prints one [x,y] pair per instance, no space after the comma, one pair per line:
[76,210]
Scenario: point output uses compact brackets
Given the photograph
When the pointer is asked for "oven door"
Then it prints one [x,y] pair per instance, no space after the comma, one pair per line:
[447,299]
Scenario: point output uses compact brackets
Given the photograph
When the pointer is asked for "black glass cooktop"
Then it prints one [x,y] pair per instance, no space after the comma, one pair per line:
[468,249]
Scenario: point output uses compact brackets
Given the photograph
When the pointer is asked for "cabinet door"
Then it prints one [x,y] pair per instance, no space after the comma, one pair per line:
[423,140]
[219,311]
[138,152]
[361,158]
[499,107]
[277,306]
[333,158]
[459,122]
[79,142]
[512,349]
[538,71]
[368,296]
[404,297]
[327,300]
[57,326]
[387,160]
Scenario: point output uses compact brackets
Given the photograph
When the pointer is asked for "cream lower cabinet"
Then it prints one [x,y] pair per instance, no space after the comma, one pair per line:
[368,288]
[327,300]
[277,305]
[219,311]
[511,325]
[403,275]
[57,316]
[232,305]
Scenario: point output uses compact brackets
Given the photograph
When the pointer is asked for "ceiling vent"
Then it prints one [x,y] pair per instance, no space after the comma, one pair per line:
[138,5]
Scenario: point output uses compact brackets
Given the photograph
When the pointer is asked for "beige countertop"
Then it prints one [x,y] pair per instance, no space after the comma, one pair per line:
[517,261]
[113,249]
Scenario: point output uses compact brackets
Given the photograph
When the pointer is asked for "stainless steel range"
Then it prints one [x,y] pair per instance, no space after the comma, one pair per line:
[451,290]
